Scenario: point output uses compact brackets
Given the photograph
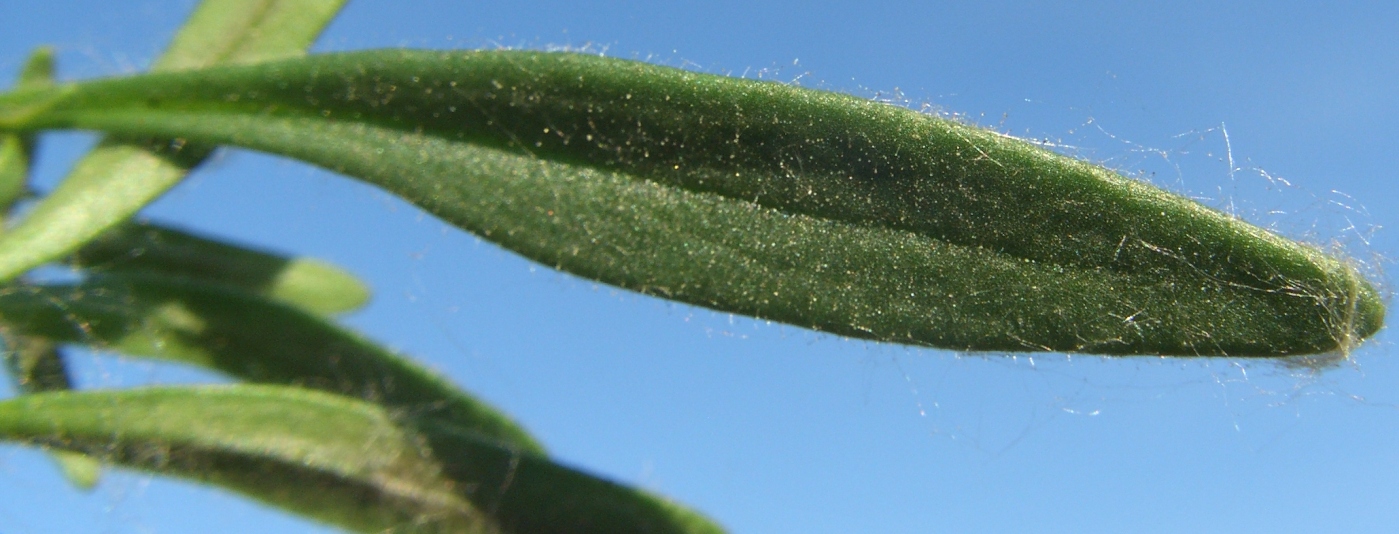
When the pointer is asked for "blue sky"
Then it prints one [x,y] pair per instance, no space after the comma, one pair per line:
[771,428]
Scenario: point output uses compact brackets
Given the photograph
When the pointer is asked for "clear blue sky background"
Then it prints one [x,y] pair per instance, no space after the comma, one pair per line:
[772,428]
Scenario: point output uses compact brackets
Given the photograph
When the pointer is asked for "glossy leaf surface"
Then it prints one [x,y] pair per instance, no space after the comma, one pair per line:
[812,208]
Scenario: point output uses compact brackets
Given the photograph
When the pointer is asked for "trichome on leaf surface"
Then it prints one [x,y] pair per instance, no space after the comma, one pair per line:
[808,207]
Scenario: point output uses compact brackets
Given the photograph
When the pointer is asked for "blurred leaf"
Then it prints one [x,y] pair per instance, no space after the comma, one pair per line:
[17,151]
[103,189]
[37,70]
[316,454]
[245,336]
[338,460]
[78,469]
[120,176]
[36,366]
[144,247]
[14,169]
[807,207]
[247,31]
[34,363]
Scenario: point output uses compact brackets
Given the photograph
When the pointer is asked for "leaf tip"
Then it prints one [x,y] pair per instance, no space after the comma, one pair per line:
[319,287]
[38,69]
[81,470]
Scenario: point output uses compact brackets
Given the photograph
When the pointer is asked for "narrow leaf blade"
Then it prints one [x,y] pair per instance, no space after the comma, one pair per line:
[14,169]
[92,199]
[121,176]
[315,454]
[17,151]
[245,336]
[325,456]
[247,31]
[37,366]
[140,247]
[802,206]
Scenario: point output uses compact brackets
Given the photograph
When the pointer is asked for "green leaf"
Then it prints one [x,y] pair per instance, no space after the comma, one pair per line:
[14,169]
[37,366]
[247,31]
[245,336]
[339,460]
[144,247]
[104,188]
[37,70]
[122,175]
[16,151]
[807,207]
[34,363]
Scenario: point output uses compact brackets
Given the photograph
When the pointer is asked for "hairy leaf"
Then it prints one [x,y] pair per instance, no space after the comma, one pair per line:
[245,336]
[339,460]
[120,176]
[92,199]
[802,206]
[149,248]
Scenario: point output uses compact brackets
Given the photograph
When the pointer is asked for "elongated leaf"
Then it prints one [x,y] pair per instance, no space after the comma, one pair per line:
[103,189]
[14,169]
[36,366]
[143,247]
[247,31]
[339,460]
[16,151]
[247,337]
[121,175]
[802,206]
